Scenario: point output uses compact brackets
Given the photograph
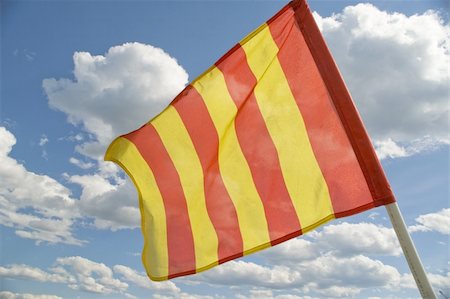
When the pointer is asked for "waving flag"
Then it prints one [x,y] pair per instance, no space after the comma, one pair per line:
[263,147]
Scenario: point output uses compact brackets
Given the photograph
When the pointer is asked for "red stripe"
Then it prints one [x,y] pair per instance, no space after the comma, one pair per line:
[334,153]
[349,116]
[180,241]
[258,147]
[195,116]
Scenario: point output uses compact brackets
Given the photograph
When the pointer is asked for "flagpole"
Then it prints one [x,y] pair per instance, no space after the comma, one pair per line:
[415,265]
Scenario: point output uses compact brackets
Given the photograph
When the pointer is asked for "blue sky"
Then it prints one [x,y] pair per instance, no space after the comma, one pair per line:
[69,222]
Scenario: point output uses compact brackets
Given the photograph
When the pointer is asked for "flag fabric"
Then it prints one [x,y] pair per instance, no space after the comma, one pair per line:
[261,148]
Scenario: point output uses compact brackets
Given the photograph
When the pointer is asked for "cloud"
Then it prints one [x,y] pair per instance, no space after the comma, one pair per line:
[389,149]
[309,265]
[115,93]
[440,283]
[25,53]
[91,276]
[343,239]
[327,276]
[355,273]
[347,239]
[43,140]
[80,273]
[239,273]
[438,222]
[10,295]
[268,294]
[31,273]
[77,272]
[143,281]
[111,206]
[36,206]
[396,69]
[81,164]
[186,296]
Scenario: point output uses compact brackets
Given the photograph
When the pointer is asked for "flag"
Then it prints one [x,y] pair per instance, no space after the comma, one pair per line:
[264,146]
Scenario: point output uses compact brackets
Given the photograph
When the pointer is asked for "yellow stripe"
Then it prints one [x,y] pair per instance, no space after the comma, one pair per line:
[235,171]
[153,216]
[182,152]
[301,172]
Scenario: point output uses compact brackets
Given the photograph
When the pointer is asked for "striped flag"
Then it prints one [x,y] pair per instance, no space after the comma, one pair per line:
[262,147]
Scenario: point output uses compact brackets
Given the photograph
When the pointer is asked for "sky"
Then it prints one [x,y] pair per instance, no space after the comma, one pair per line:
[75,74]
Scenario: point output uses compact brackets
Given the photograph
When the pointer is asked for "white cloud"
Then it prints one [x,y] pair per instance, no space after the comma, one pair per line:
[441,283]
[80,273]
[439,222]
[239,273]
[143,281]
[347,239]
[116,93]
[185,296]
[113,94]
[389,149]
[268,294]
[36,206]
[111,206]
[10,295]
[343,239]
[329,263]
[327,276]
[31,273]
[91,276]
[81,164]
[355,273]
[292,251]
[43,140]
[396,67]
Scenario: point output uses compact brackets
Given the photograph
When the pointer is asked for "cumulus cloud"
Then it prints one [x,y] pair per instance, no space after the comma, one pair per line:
[115,93]
[31,273]
[268,294]
[347,239]
[343,239]
[10,295]
[309,265]
[396,67]
[76,272]
[438,222]
[186,296]
[355,273]
[112,94]
[141,280]
[327,275]
[246,273]
[80,273]
[111,206]
[36,206]
[91,276]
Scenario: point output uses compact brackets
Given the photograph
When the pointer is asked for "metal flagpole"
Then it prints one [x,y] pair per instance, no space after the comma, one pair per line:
[410,252]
